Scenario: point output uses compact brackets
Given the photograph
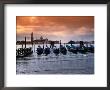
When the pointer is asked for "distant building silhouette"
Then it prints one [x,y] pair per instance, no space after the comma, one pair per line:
[40,41]
[55,42]
[46,41]
[41,38]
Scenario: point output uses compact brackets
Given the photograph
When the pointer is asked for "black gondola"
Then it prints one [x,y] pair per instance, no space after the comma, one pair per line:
[82,50]
[56,51]
[63,50]
[39,50]
[72,49]
[23,52]
[47,50]
[91,49]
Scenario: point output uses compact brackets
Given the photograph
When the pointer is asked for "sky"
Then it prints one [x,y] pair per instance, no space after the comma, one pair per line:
[63,28]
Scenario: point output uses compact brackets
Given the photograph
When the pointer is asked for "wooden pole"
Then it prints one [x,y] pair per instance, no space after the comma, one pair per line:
[43,45]
[25,42]
[64,44]
[22,45]
[34,47]
[60,43]
[32,39]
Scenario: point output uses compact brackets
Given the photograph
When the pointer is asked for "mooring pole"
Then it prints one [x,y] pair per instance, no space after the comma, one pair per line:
[34,47]
[32,39]
[64,44]
[25,42]
[43,45]
[60,43]
[22,45]
[60,46]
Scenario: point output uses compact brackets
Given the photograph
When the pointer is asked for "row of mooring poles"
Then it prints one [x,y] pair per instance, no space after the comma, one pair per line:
[26,42]
[52,44]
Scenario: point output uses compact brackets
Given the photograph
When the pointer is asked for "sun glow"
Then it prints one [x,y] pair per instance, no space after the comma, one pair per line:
[32,19]
[56,26]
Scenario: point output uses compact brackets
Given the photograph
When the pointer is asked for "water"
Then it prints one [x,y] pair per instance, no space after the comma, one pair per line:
[51,64]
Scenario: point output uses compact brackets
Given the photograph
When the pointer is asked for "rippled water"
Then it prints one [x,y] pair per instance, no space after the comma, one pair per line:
[51,64]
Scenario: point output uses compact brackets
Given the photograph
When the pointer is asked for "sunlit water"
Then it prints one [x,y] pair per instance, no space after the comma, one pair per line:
[51,64]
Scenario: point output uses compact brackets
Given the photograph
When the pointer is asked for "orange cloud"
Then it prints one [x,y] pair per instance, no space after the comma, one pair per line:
[55,26]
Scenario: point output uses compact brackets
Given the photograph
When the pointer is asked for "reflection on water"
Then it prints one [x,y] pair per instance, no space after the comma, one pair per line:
[51,64]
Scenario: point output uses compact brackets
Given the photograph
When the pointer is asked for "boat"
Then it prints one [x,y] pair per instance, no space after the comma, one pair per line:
[39,50]
[56,51]
[46,50]
[63,50]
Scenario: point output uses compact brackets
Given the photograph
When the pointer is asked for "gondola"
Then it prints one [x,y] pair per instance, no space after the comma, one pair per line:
[72,49]
[46,50]
[63,50]
[39,50]
[23,52]
[91,49]
[82,50]
[56,51]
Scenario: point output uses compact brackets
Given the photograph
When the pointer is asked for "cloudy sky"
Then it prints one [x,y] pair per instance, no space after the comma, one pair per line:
[63,28]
